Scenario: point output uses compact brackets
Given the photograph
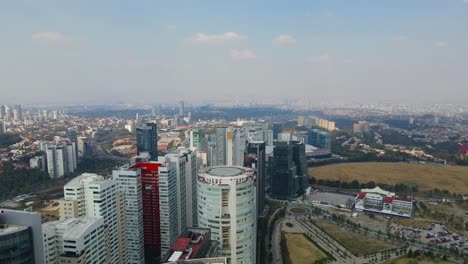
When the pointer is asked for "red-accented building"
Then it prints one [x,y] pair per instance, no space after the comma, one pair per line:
[151,211]
[194,243]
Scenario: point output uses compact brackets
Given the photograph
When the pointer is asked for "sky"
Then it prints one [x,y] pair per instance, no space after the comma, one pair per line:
[111,51]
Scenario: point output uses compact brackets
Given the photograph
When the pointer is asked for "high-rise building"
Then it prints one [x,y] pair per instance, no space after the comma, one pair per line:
[2,111]
[20,237]
[75,240]
[283,171]
[277,128]
[2,127]
[17,113]
[92,195]
[319,139]
[156,110]
[197,139]
[255,158]
[147,140]
[299,158]
[8,111]
[181,108]
[159,196]
[185,161]
[61,159]
[230,147]
[130,185]
[227,206]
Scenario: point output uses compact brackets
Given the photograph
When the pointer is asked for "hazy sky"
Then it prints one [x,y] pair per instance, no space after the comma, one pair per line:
[102,51]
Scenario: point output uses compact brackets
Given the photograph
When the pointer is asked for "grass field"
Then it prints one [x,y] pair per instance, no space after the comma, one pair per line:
[426,176]
[358,244]
[301,250]
[421,260]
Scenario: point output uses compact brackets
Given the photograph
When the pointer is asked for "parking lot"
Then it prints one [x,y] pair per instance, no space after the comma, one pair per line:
[435,234]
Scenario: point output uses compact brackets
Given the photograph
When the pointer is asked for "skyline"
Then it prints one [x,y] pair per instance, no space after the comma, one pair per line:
[337,51]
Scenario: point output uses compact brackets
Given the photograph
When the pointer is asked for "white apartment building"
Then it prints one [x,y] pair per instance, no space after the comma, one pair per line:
[92,195]
[129,182]
[75,240]
[168,206]
[227,206]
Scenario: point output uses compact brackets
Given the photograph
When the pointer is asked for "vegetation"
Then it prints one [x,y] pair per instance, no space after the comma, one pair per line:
[358,244]
[297,210]
[427,177]
[8,139]
[95,165]
[301,251]
[19,181]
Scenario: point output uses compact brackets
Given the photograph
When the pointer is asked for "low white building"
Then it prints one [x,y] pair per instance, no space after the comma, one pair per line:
[75,240]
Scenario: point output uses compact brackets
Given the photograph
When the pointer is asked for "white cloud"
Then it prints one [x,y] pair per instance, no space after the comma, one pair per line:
[441,44]
[284,39]
[228,36]
[244,54]
[49,38]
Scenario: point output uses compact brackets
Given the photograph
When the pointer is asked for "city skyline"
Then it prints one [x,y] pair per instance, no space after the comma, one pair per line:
[337,51]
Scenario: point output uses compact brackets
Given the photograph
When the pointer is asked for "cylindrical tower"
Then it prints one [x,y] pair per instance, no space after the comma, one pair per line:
[227,206]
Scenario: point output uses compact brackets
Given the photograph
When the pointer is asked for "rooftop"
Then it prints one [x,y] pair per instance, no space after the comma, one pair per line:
[6,229]
[225,171]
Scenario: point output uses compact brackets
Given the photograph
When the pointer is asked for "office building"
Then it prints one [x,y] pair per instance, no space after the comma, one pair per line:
[129,182]
[282,171]
[8,112]
[284,137]
[20,237]
[319,139]
[198,140]
[156,110]
[277,128]
[75,240]
[2,127]
[229,148]
[160,208]
[255,159]
[147,140]
[17,113]
[380,201]
[91,195]
[302,175]
[181,108]
[194,243]
[2,111]
[226,205]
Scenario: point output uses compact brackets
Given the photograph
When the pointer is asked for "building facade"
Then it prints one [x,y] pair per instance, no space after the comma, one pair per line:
[147,140]
[92,195]
[282,171]
[227,206]
[129,182]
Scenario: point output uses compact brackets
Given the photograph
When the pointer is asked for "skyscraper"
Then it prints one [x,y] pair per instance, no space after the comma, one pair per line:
[92,195]
[61,159]
[130,185]
[255,158]
[2,127]
[277,128]
[147,140]
[160,208]
[282,171]
[156,110]
[181,108]
[17,113]
[20,237]
[227,201]
[230,147]
[299,158]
